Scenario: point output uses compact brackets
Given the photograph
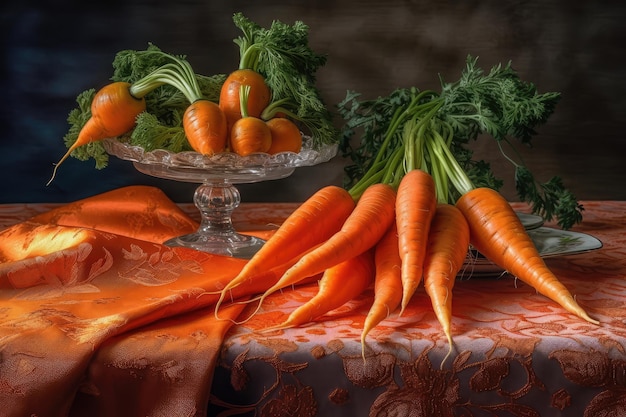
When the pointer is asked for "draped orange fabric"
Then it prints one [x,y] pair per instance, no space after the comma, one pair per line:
[98,318]
[75,278]
[140,212]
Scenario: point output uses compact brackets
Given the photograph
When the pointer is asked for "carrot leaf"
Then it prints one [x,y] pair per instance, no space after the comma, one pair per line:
[151,134]
[433,131]
[550,199]
[281,53]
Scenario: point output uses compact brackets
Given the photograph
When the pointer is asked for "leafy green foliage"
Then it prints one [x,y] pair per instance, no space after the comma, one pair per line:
[374,119]
[498,103]
[441,125]
[152,134]
[550,199]
[281,53]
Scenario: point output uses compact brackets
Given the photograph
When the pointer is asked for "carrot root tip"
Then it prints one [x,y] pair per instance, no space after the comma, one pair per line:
[56,166]
[363,347]
[54,173]
[451,349]
[590,320]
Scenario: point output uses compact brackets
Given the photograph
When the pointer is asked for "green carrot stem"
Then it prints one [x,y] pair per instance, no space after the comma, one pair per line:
[394,169]
[357,190]
[244,93]
[442,155]
[178,74]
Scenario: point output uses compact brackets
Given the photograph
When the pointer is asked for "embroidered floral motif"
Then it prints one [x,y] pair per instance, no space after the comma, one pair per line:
[291,402]
[424,392]
[377,373]
[561,399]
[594,369]
[339,396]
[239,378]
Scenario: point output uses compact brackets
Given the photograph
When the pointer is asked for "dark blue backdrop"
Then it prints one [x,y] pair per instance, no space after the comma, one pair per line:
[53,50]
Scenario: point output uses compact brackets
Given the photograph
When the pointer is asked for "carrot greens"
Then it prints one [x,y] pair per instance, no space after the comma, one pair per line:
[411,129]
[281,53]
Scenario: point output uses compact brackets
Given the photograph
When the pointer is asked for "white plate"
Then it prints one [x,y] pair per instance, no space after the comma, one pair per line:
[550,242]
[530,221]
[554,242]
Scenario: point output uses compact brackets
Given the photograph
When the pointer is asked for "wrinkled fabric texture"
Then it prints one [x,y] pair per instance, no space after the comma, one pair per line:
[87,289]
[98,318]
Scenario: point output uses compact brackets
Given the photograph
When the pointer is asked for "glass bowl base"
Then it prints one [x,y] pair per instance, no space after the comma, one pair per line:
[233,244]
[216,197]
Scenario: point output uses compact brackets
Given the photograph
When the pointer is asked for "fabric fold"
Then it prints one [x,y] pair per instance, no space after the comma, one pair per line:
[138,211]
[88,288]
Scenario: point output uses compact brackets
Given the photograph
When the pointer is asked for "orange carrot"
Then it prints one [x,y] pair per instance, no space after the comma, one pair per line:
[497,233]
[204,124]
[415,208]
[339,284]
[249,134]
[113,112]
[230,101]
[448,243]
[286,136]
[365,226]
[312,223]
[387,282]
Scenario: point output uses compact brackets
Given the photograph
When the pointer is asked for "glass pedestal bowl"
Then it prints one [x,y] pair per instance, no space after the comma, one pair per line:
[217,196]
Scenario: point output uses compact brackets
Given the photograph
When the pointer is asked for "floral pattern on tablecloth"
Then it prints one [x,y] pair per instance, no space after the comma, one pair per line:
[517,354]
[99,318]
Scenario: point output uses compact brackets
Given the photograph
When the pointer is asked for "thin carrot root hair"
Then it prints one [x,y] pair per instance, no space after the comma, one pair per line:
[203,293]
[497,233]
[259,298]
[447,330]
[451,350]
[253,283]
[253,313]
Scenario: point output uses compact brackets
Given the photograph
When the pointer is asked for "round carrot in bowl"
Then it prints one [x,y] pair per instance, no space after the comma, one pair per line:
[286,136]
[205,127]
[230,94]
[249,134]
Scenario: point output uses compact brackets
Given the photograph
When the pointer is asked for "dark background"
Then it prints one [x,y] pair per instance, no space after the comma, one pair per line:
[53,50]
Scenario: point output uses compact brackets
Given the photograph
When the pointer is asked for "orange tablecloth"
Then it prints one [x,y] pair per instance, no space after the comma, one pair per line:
[98,320]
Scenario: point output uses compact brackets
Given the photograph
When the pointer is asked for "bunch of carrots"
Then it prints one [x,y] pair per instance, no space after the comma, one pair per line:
[397,228]
[394,238]
[253,113]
